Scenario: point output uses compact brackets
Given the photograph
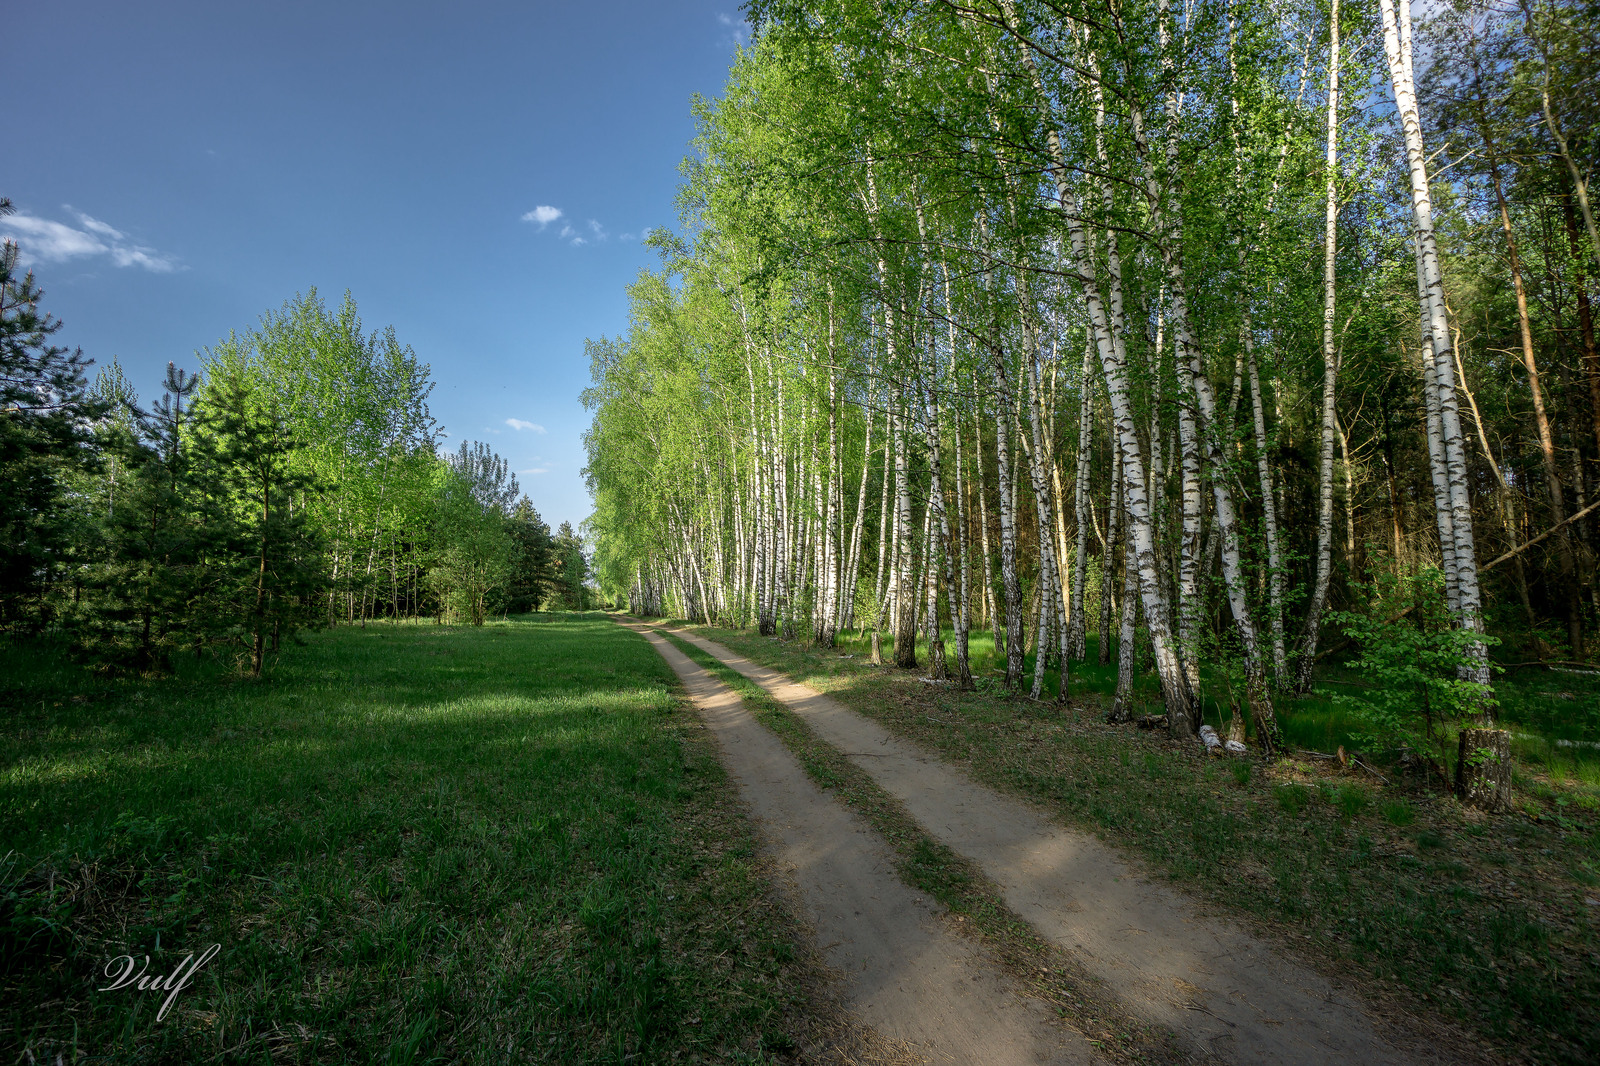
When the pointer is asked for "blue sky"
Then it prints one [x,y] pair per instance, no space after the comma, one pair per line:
[179,168]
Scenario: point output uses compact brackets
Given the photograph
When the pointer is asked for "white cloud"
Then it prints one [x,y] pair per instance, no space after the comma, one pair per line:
[96,226]
[626,237]
[739,35]
[542,215]
[535,470]
[44,240]
[518,424]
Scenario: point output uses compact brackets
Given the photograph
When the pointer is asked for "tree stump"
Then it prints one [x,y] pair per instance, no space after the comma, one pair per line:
[1483,769]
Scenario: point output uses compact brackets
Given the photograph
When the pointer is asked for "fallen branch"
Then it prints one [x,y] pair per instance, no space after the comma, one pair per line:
[1370,770]
[1552,662]
[1547,533]
[1491,564]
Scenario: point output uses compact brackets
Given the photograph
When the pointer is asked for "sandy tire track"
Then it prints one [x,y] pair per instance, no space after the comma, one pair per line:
[906,976]
[1226,993]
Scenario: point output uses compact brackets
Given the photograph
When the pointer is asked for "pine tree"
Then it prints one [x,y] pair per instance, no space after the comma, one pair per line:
[266,555]
[46,417]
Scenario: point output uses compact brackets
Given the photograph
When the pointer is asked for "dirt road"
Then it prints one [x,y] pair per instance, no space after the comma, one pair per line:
[1224,992]
[906,977]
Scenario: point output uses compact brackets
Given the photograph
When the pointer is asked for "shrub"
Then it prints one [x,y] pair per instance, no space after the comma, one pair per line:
[1412,654]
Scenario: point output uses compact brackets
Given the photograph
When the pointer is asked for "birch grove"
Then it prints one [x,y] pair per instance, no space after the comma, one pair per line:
[1033,327]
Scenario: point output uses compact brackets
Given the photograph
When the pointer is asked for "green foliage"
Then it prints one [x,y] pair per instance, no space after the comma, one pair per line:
[268,553]
[1349,799]
[293,482]
[1412,661]
[1291,798]
[533,559]
[46,413]
[570,579]
[473,556]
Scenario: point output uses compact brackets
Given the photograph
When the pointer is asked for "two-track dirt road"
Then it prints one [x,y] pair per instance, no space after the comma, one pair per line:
[1225,994]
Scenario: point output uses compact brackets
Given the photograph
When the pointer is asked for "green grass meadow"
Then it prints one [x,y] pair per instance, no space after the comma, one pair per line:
[412,844]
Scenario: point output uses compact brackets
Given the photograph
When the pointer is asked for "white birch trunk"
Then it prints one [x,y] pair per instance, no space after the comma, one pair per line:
[1397,53]
[1330,373]
[991,611]
[1080,500]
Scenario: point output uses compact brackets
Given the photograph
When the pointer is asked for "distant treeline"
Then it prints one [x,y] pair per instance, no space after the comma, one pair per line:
[294,481]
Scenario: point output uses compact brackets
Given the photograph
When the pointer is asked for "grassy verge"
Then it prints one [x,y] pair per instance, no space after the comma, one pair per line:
[413,844]
[1491,921]
[976,908]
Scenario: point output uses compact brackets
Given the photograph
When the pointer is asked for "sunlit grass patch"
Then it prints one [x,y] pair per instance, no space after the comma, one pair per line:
[412,842]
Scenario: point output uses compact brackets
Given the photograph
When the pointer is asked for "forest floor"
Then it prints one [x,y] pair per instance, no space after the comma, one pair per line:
[412,843]
[1477,931]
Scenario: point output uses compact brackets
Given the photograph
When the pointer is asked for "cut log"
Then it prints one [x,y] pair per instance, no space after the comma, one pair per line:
[1483,769]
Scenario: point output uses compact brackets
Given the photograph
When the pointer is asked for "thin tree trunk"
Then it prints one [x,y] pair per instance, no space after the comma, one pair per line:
[1547,449]
[1465,560]
[1108,564]
[1177,693]
[853,567]
[1127,648]
[1330,374]
[905,606]
[1080,501]
[991,612]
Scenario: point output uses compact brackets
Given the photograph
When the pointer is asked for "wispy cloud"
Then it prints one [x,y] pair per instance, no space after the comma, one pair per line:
[626,237]
[519,425]
[542,215]
[535,470]
[44,240]
[739,30]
